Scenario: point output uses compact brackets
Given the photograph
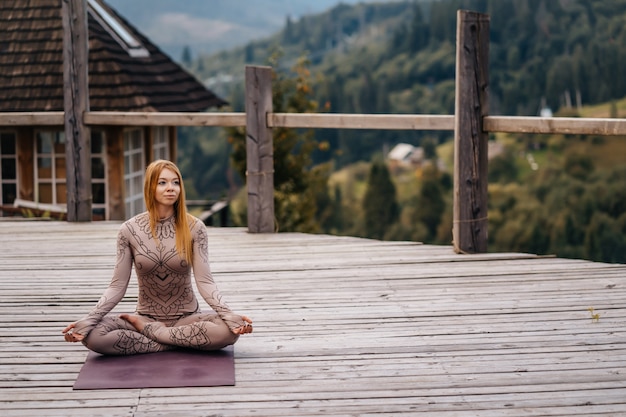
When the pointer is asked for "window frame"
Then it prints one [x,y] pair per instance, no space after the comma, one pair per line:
[52,180]
[161,143]
[8,156]
[133,189]
[95,207]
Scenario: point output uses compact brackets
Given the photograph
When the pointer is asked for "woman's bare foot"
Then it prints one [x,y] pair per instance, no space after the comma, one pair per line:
[137,321]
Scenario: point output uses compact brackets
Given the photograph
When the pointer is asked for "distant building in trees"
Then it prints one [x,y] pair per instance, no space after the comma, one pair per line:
[405,155]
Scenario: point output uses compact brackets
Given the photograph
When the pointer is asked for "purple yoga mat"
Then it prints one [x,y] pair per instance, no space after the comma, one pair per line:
[174,368]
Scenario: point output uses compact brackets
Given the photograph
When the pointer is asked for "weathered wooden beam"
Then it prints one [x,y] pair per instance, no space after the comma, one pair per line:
[469,230]
[103,118]
[51,118]
[552,125]
[259,150]
[26,165]
[173,140]
[511,124]
[76,103]
[362,121]
[114,136]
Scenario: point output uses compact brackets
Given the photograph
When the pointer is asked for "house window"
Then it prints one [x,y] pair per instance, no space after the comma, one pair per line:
[8,168]
[117,30]
[50,168]
[134,157]
[160,143]
[98,175]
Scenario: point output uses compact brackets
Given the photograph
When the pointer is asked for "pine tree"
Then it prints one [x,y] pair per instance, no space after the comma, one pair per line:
[380,206]
[430,206]
[186,57]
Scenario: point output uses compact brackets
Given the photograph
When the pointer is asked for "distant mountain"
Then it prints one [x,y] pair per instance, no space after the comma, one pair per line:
[208,26]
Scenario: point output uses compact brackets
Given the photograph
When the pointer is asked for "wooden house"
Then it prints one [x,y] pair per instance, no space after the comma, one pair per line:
[126,73]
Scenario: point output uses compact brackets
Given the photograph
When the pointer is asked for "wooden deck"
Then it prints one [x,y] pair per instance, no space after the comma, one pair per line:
[343,327]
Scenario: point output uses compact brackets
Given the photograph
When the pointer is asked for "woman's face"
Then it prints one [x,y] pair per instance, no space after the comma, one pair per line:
[168,188]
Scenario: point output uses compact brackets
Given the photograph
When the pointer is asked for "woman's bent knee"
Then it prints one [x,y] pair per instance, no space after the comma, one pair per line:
[92,344]
[227,338]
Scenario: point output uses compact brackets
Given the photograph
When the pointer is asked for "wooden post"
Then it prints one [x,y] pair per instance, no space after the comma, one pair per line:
[469,229]
[172,140]
[259,150]
[25,166]
[114,136]
[76,103]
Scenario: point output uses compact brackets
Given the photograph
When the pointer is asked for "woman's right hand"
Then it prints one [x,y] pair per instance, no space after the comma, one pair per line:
[246,328]
[70,336]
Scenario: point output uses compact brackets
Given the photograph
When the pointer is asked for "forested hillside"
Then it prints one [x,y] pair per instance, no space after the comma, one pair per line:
[566,55]
[399,57]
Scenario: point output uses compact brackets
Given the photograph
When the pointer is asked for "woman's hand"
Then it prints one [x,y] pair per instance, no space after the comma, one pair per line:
[70,336]
[246,328]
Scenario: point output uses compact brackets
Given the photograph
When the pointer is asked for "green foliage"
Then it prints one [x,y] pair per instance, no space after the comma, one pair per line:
[380,207]
[399,57]
[572,209]
[429,204]
[203,154]
[578,166]
[605,240]
[503,168]
[296,186]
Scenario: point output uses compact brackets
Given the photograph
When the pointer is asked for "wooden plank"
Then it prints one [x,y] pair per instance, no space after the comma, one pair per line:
[50,118]
[111,118]
[555,125]
[362,121]
[469,224]
[75,104]
[510,124]
[259,150]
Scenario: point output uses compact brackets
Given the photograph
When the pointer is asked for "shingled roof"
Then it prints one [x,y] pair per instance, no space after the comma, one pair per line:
[122,76]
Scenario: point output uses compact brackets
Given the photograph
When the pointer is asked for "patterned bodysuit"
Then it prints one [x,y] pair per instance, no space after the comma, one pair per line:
[166,298]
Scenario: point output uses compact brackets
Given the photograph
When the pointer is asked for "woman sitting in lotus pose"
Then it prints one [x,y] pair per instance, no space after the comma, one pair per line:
[164,243]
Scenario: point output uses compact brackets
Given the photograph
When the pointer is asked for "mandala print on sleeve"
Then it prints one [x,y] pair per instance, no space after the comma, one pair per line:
[102,308]
[202,240]
[122,246]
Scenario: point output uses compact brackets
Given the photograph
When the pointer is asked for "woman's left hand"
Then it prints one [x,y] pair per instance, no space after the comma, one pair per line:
[70,335]
[246,328]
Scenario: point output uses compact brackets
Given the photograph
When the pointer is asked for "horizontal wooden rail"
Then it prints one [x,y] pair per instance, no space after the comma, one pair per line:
[510,124]
[550,125]
[107,118]
[361,121]
[48,118]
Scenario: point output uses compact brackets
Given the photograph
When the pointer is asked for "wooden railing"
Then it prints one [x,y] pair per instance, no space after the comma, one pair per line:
[510,124]
[471,125]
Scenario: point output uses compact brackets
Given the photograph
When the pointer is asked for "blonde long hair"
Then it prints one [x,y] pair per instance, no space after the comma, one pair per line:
[181,218]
